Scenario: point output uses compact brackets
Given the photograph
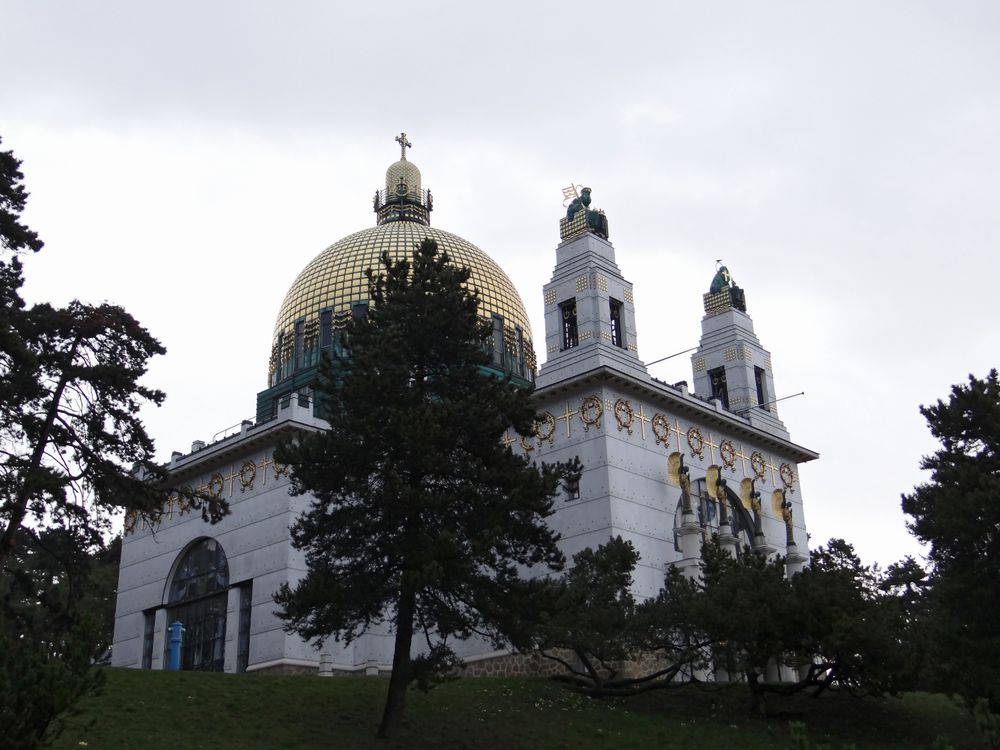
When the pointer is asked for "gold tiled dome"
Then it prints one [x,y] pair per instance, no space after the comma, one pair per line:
[335,279]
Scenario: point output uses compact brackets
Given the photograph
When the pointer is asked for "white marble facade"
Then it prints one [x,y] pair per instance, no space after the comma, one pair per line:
[596,401]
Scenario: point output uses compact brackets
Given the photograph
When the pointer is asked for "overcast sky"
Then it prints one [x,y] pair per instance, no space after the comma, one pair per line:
[187,159]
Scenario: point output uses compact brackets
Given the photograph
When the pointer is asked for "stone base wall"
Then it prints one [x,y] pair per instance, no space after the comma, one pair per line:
[513,665]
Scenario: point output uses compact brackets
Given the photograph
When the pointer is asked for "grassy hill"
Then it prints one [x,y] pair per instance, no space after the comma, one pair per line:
[153,710]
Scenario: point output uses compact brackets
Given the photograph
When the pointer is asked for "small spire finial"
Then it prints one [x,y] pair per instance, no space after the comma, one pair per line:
[403,145]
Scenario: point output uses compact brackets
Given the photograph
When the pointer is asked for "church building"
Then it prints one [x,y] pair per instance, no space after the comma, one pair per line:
[665,465]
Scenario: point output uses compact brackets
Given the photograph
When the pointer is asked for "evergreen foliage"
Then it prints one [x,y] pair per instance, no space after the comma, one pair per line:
[72,453]
[957,513]
[422,518]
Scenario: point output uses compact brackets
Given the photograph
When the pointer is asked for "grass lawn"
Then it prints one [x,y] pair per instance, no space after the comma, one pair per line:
[183,710]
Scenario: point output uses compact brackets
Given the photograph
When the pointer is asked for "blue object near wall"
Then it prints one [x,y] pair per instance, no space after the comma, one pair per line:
[176,637]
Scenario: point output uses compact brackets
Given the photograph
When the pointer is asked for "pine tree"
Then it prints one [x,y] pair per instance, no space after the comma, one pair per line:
[957,512]
[73,452]
[421,518]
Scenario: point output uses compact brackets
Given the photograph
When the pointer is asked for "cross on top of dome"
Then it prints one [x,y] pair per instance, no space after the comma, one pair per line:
[403,145]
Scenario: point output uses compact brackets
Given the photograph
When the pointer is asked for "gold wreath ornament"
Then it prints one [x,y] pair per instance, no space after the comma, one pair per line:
[248,473]
[661,429]
[545,428]
[624,415]
[591,410]
[728,454]
[215,486]
[696,442]
[787,476]
[758,464]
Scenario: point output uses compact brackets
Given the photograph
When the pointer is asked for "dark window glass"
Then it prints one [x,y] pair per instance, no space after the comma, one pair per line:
[203,570]
[520,350]
[717,378]
[326,329]
[569,333]
[758,373]
[617,334]
[299,332]
[204,635]
[148,632]
[199,598]
[243,647]
[497,341]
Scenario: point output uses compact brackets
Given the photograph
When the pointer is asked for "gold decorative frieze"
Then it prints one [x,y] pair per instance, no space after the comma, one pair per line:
[606,335]
[628,296]
[582,283]
[699,364]
[552,348]
[730,354]
[550,297]
[602,283]
[252,473]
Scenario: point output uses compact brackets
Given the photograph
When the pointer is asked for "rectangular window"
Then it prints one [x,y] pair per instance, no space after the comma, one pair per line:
[497,341]
[717,378]
[299,331]
[569,333]
[617,332]
[148,631]
[758,373]
[326,330]
[243,644]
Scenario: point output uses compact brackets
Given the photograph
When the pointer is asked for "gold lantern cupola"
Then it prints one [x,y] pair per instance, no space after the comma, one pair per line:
[403,199]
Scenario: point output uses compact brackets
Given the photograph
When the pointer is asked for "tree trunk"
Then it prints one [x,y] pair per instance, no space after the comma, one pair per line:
[395,699]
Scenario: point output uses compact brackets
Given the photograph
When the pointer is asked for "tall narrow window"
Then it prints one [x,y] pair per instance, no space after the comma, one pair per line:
[148,631]
[758,374]
[617,334]
[717,377]
[243,644]
[279,363]
[520,350]
[299,331]
[325,330]
[569,334]
[497,342]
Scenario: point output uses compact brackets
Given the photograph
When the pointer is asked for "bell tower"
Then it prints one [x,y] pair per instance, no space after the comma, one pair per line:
[589,310]
[730,364]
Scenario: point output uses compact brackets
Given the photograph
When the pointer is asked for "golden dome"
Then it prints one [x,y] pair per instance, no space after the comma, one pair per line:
[335,279]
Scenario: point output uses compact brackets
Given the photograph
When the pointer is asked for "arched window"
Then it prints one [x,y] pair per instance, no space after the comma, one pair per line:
[197,598]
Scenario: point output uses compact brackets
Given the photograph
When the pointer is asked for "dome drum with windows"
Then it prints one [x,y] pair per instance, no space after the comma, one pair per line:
[333,286]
